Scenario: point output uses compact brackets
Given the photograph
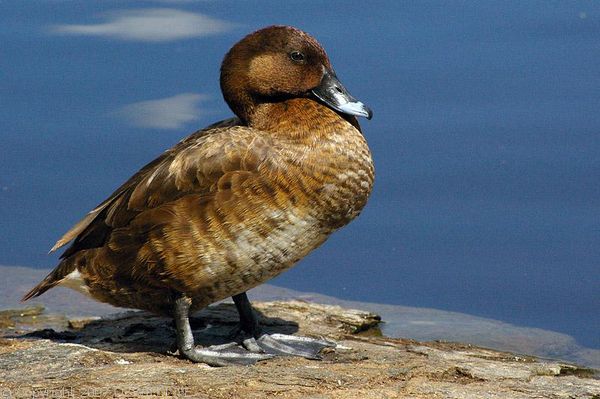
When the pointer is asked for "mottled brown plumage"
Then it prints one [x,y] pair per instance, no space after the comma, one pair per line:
[235,204]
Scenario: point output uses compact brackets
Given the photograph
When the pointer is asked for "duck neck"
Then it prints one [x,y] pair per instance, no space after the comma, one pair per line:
[298,118]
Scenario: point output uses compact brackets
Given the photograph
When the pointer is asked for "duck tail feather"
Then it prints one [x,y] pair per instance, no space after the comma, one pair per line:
[51,280]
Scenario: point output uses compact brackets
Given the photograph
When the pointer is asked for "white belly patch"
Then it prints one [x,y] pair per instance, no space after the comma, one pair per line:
[75,282]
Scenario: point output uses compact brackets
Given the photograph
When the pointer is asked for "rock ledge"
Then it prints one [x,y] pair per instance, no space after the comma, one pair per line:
[50,356]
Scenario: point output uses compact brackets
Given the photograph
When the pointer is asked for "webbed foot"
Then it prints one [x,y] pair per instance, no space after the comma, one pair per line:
[274,344]
[216,355]
[290,345]
[223,355]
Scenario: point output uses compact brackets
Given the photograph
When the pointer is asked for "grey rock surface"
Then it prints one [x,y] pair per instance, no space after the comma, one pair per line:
[422,324]
[125,355]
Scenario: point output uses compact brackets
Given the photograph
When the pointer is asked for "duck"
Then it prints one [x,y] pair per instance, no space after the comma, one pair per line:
[232,205]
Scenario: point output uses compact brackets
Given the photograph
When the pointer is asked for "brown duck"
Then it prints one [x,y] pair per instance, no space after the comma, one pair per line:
[232,205]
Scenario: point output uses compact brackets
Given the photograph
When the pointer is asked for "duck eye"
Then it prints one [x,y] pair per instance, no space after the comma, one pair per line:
[296,56]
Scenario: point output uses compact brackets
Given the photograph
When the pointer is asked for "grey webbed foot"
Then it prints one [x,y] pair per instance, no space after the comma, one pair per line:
[223,355]
[275,344]
[216,355]
[292,345]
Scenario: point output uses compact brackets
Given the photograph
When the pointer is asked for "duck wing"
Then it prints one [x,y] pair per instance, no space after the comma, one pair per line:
[199,166]
[120,207]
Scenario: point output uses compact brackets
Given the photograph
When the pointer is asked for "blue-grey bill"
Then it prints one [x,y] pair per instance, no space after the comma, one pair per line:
[356,108]
[334,94]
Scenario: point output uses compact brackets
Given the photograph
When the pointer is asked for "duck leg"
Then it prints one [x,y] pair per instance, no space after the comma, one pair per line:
[216,355]
[275,344]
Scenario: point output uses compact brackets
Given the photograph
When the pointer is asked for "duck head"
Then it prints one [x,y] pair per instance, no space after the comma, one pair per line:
[278,63]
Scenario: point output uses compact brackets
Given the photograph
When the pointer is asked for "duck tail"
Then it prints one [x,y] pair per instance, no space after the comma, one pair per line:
[52,279]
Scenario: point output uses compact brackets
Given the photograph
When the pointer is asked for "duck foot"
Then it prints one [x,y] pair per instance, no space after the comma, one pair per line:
[288,345]
[223,355]
[275,344]
[216,355]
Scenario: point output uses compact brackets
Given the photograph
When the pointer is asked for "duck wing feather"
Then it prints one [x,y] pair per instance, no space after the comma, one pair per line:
[193,167]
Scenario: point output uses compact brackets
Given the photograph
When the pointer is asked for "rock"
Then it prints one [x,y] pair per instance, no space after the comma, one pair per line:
[422,324]
[77,323]
[125,355]
[7,317]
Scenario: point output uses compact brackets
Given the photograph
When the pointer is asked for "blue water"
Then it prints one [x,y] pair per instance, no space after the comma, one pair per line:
[486,139]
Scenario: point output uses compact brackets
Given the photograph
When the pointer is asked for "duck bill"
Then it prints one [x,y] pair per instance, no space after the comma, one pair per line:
[333,93]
